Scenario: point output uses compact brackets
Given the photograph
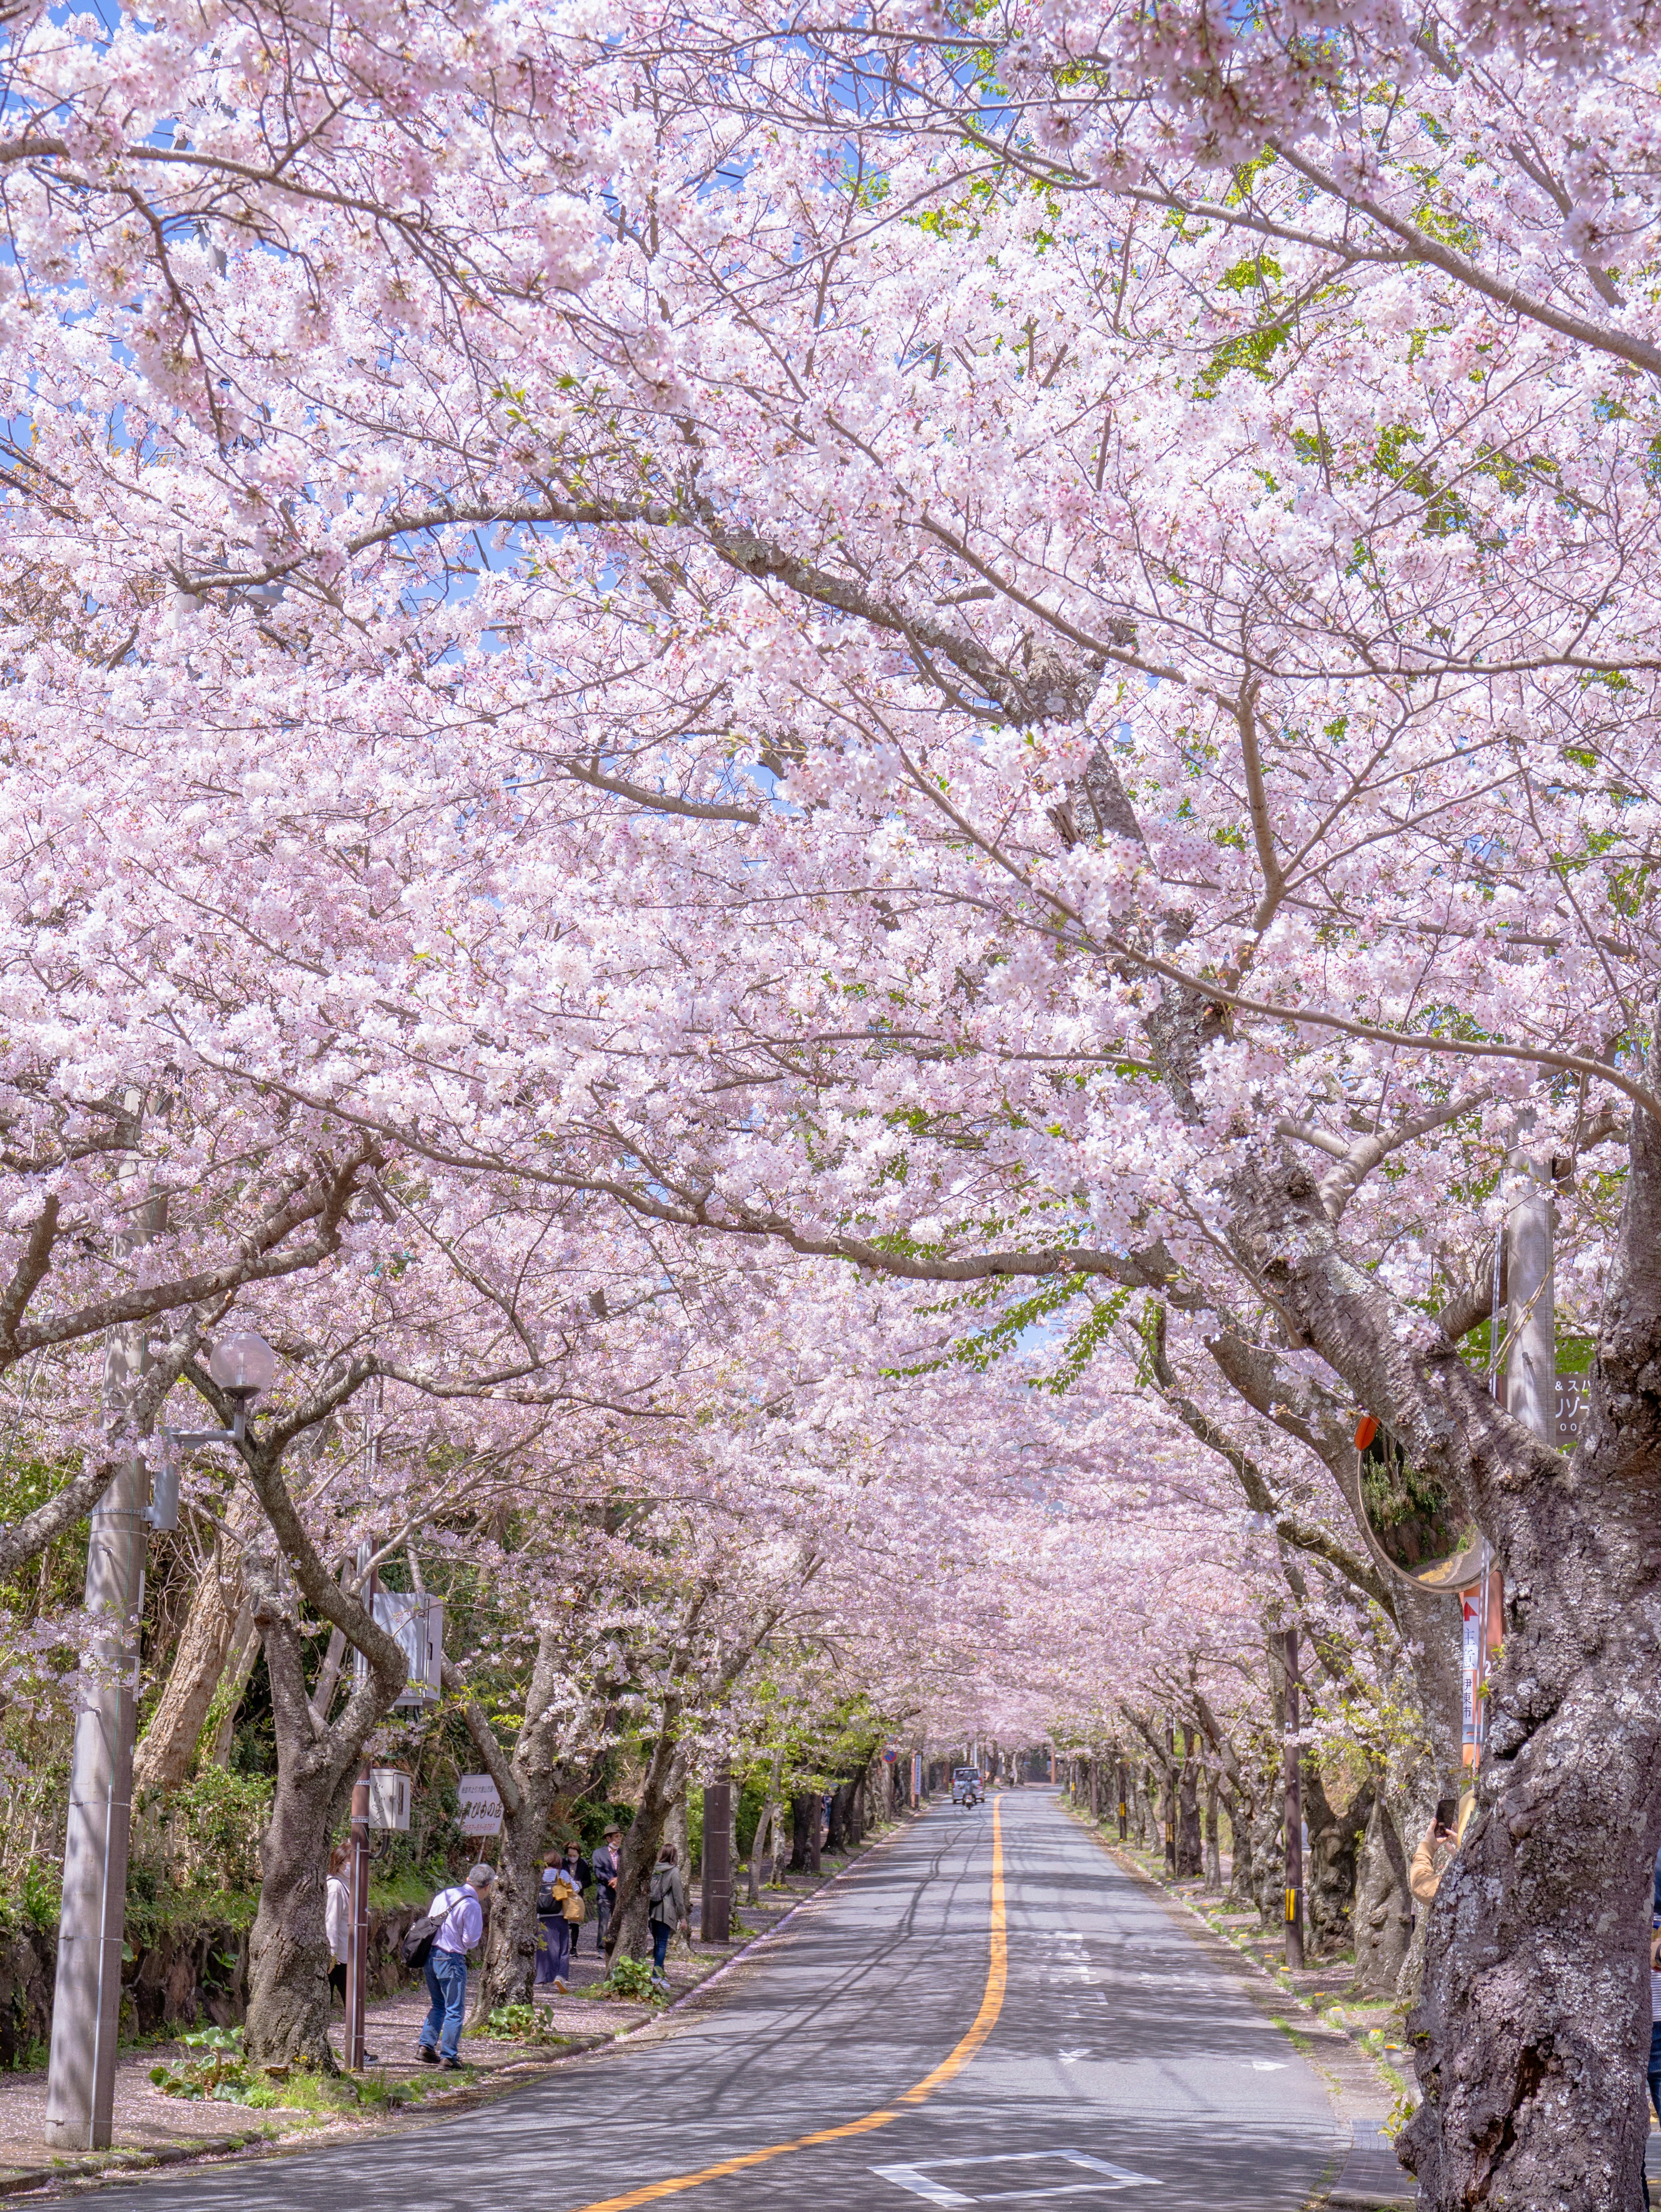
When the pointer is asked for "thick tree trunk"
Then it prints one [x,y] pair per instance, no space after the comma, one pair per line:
[508,1971]
[1531,2027]
[1190,1857]
[166,1752]
[628,1936]
[841,1798]
[1329,1862]
[288,1957]
[1383,1920]
[289,1953]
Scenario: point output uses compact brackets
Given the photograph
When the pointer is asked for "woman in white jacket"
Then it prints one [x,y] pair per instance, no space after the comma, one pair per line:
[337,1916]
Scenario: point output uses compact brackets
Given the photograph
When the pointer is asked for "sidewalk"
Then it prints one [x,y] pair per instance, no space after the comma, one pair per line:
[395,2089]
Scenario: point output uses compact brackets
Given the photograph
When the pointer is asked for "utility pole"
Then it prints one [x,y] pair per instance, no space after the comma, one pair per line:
[92,1919]
[357,1931]
[1295,1811]
[715,1915]
[1169,1797]
[1531,1317]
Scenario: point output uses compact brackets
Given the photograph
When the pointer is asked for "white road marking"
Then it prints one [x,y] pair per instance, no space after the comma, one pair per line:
[920,2181]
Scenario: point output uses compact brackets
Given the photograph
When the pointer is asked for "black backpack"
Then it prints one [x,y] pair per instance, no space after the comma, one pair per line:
[417,1945]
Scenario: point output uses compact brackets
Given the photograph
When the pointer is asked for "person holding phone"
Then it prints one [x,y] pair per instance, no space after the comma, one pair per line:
[1441,1840]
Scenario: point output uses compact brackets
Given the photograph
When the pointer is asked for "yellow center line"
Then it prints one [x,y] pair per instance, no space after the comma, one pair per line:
[997,1975]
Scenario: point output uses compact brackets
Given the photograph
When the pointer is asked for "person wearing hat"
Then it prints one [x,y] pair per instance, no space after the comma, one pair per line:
[606,1878]
[460,1915]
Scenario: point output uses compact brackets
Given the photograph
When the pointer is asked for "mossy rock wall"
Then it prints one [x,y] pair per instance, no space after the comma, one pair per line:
[178,1976]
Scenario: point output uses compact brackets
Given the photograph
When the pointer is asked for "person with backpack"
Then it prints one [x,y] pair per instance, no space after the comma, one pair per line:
[455,1926]
[559,1911]
[667,1909]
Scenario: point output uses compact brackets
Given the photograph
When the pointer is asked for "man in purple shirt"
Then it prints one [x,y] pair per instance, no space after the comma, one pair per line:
[461,1917]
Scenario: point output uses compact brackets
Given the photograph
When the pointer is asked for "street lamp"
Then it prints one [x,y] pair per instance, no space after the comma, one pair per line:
[243,1364]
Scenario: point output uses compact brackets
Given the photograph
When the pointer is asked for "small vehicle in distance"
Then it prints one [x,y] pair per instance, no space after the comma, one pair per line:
[967,1788]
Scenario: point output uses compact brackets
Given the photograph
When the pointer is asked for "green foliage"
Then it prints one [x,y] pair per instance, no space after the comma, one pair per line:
[630,1978]
[219,2072]
[522,2023]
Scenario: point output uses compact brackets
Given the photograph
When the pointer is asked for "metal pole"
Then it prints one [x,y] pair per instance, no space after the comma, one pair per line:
[716,1917]
[92,1920]
[1294,1812]
[1530,1320]
[1169,1798]
[357,1943]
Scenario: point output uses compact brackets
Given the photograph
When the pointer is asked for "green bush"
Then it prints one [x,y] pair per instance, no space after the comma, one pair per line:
[629,1978]
[520,2023]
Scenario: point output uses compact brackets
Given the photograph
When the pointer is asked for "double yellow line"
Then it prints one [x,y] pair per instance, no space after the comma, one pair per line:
[997,1975]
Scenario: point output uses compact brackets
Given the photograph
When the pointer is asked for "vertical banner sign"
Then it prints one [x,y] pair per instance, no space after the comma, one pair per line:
[479,1806]
[1470,1609]
[916,1777]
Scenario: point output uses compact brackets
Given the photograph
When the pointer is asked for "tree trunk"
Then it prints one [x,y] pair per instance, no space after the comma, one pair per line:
[507,1975]
[1213,1857]
[836,1832]
[1530,2030]
[1268,1856]
[1383,1920]
[167,1751]
[803,1807]
[628,1936]
[1329,1866]
[288,1956]
[766,1829]
[1240,1810]
[1190,1859]
[219,1734]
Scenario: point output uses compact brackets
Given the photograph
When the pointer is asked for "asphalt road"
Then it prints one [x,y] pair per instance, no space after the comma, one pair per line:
[1117,2063]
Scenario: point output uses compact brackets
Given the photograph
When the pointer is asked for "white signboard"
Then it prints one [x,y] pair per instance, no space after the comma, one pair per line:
[481,1805]
[418,1624]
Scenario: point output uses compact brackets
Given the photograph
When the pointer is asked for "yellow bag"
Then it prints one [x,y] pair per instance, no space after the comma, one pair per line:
[568,1898]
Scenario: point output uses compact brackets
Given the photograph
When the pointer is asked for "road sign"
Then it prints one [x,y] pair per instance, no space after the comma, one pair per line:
[481,1805]
[1573,1393]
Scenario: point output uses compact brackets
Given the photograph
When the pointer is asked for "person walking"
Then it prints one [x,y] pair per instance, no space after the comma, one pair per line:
[577,1871]
[337,1917]
[667,1912]
[605,1880]
[555,1893]
[460,1914]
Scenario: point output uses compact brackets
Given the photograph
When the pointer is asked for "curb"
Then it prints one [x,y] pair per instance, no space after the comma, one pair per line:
[1363,2176]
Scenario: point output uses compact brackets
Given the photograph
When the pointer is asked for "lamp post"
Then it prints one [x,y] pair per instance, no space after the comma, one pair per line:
[92,1920]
